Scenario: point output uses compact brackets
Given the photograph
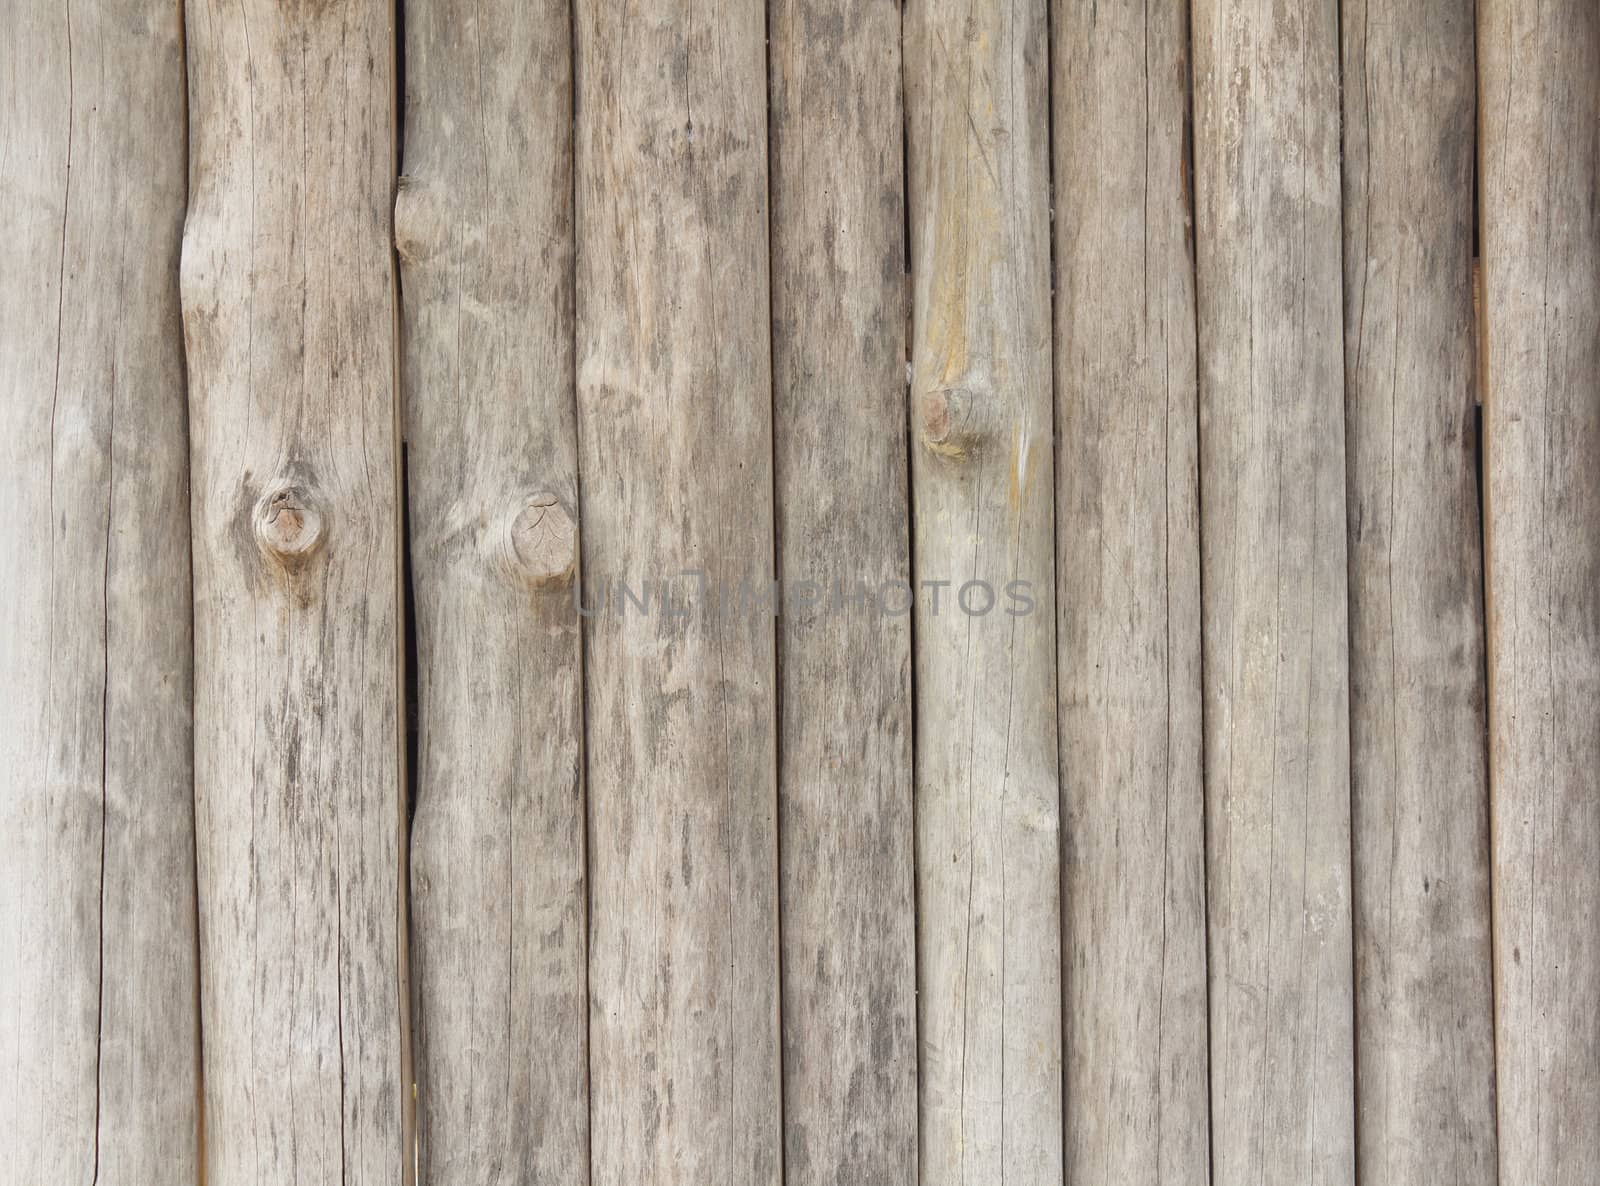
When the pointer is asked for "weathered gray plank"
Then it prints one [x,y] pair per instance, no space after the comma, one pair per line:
[98,1018]
[1276,659]
[288,308]
[674,418]
[844,765]
[1539,84]
[988,855]
[1129,564]
[483,222]
[1419,778]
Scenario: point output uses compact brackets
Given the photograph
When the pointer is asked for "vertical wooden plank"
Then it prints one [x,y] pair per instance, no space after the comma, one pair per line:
[1275,643]
[845,810]
[1129,563]
[1539,82]
[483,223]
[675,449]
[988,856]
[98,1018]
[1424,1009]
[288,307]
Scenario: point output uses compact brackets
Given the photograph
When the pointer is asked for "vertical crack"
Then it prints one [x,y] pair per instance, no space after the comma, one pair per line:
[908,262]
[406,645]
[1064,954]
[585,839]
[105,739]
[773,380]
[1192,239]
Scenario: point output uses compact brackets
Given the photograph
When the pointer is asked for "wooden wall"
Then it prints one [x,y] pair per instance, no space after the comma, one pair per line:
[814,593]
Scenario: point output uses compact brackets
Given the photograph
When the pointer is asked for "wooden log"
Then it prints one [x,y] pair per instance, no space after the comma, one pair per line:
[1275,643]
[98,1017]
[289,321]
[988,868]
[483,223]
[674,420]
[1129,564]
[1539,160]
[1419,778]
[847,894]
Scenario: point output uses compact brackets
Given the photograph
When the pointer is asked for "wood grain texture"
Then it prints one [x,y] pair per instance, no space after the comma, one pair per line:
[1539,160]
[844,764]
[674,419]
[483,223]
[288,309]
[98,1016]
[1275,643]
[1129,562]
[1419,776]
[988,854]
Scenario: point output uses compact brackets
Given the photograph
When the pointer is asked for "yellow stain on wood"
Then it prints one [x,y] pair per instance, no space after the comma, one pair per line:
[965,367]
[959,348]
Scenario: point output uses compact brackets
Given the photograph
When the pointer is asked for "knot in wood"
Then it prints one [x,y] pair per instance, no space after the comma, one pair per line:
[543,543]
[419,221]
[952,420]
[288,524]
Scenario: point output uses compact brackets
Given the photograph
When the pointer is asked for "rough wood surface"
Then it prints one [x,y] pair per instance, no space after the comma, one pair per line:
[288,309]
[1419,777]
[1129,562]
[98,1018]
[844,765]
[674,419]
[1276,659]
[988,856]
[1539,159]
[483,223]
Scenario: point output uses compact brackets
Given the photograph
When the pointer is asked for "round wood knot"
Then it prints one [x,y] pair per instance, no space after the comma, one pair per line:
[950,421]
[288,525]
[420,222]
[544,541]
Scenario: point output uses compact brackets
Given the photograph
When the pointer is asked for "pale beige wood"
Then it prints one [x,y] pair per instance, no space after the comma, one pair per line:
[1419,778]
[1539,168]
[1129,562]
[844,765]
[483,223]
[1273,543]
[988,855]
[675,453]
[98,1017]
[288,310]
